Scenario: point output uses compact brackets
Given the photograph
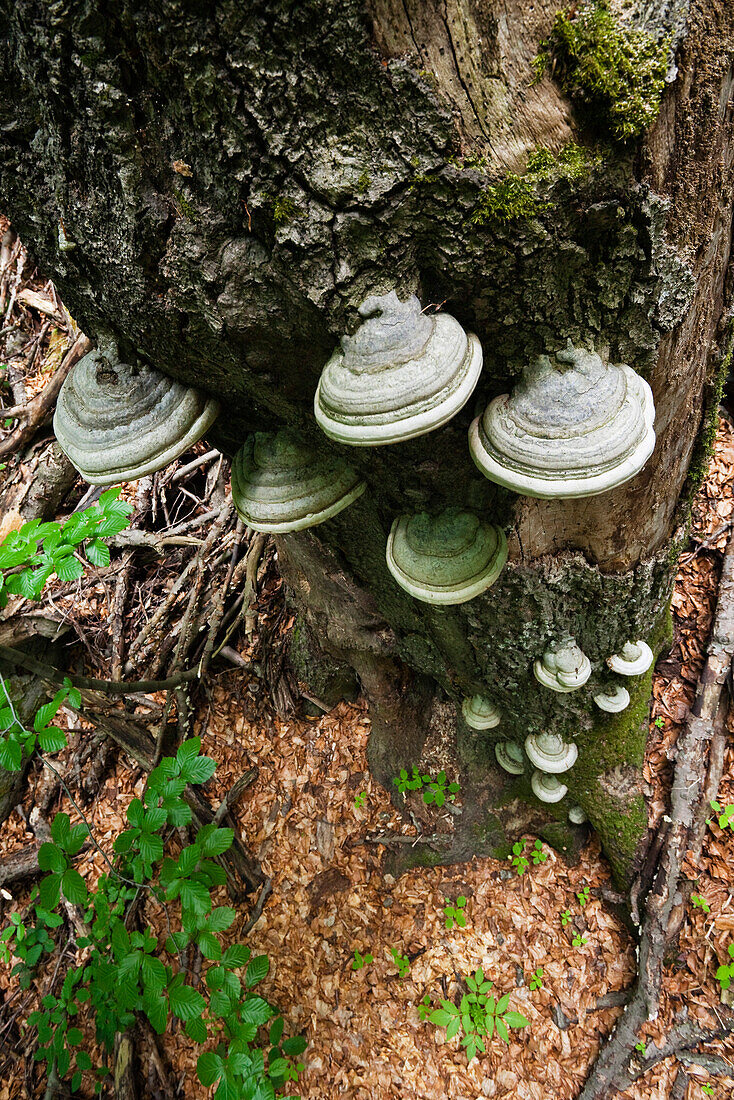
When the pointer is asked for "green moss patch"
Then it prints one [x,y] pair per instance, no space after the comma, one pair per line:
[613,73]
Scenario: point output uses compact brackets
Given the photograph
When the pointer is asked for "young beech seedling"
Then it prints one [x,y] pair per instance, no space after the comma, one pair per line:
[477,1016]
[454,914]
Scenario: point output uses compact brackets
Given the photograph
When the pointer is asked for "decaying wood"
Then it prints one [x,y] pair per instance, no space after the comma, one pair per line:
[694,777]
[125,1074]
[39,407]
[20,864]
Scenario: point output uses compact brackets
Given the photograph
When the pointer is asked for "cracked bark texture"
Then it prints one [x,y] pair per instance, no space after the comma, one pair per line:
[235,179]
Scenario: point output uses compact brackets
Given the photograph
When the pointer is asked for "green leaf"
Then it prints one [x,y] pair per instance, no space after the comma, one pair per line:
[51,858]
[515,1019]
[45,713]
[11,756]
[69,569]
[257,970]
[151,847]
[453,1028]
[52,739]
[503,1004]
[220,919]
[196,1029]
[49,891]
[277,1067]
[74,1036]
[154,973]
[196,897]
[209,1068]
[98,553]
[73,886]
[155,1007]
[440,1017]
[198,770]
[502,1030]
[218,842]
[276,1030]
[236,956]
[209,945]
[294,1046]
[185,1002]
[61,829]
[83,1060]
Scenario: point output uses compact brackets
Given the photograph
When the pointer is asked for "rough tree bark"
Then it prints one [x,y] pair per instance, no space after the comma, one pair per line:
[220,185]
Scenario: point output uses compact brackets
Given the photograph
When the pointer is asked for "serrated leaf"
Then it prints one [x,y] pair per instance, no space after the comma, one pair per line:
[51,858]
[453,1028]
[257,970]
[153,973]
[503,1004]
[277,1067]
[209,1068]
[221,918]
[515,1019]
[209,946]
[196,1029]
[155,1007]
[502,1030]
[196,897]
[11,756]
[440,1017]
[73,886]
[295,1045]
[236,956]
[151,847]
[198,770]
[185,1002]
[49,891]
[98,553]
[61,829]
[69,569]
[218,842]
[52,739]
[255,1010]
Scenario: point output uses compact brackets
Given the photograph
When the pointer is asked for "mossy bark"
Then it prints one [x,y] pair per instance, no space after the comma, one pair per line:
[219,186]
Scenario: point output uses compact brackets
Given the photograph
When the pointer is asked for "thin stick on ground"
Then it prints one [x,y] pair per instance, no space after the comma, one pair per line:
[693,778]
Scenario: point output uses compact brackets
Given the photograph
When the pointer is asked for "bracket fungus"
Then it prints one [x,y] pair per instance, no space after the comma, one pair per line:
[509,757]
[635,658]
[613,699]
[563,667]
[572,427]
[480,713]
[115,422]
[402,374]
[550,753]
[280,483]
[577,816]
[548,788]
[445,559]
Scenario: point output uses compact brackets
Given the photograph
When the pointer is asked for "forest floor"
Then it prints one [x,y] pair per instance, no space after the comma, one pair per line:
[314,820]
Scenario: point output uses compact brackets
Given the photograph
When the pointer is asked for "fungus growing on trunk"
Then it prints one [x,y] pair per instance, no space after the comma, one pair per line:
[402,374]
[510,757]
[445,559]
[563,667]
[572,427]
[480,713]
[613,699]
[635,658]
[280,483]
[550,753]
[117,423]
[547,788]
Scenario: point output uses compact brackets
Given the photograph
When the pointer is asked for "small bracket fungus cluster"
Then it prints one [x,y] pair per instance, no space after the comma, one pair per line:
[281,484]
[115,422]
[635,658]
[563,667]
[572,427]
[480,713]
[402,374]
[510,757]
[550,753]
[445,559]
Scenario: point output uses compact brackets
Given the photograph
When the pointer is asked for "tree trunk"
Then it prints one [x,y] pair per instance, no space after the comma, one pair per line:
[219,186]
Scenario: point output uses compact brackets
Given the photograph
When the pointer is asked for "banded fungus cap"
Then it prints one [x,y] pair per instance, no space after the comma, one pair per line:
[115,422]
[280,483]
[445,559]
[572,427]
[550,753]
[563,667]
[576,815]
[402,374]
[613,699]
[509,757]
[480,713]
[547,788]
[635,658]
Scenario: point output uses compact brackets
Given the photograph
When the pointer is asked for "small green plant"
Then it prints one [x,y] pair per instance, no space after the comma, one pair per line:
[579,941]
[725,973]
[424,1008]
[402,962]
[535,980]
[726,814]
[435,791]
[642,1047]
[360,960]
[519,862]
[539,856]
[700,902]
[583,896]
[708,1089]
[454,914]
[659,722]
[566,917]
[360,800]
[122,974]
[476,1017]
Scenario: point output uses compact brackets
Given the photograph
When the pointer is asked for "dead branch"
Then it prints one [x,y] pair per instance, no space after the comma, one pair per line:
[663,904]
[39,407]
